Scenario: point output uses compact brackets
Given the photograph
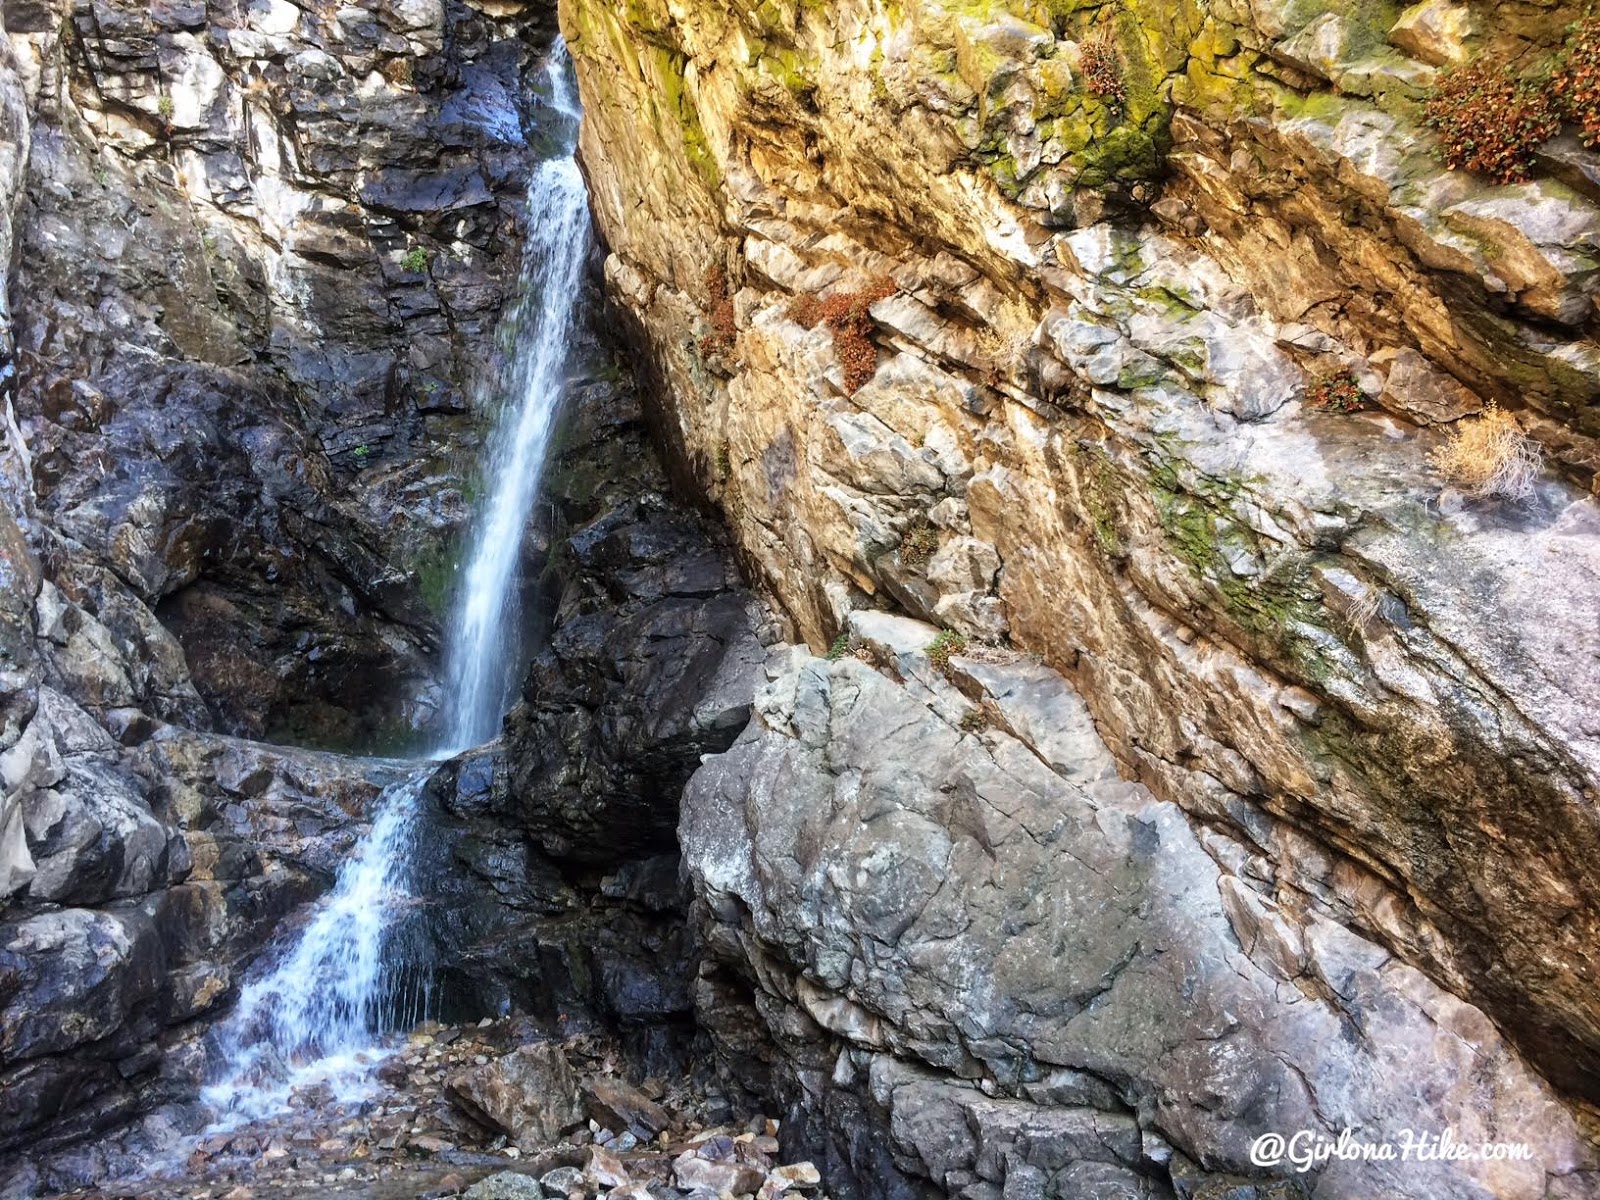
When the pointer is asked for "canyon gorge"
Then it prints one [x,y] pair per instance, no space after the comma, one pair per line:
[907,574]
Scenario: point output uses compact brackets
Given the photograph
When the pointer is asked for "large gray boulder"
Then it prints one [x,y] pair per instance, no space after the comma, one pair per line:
[1038,976]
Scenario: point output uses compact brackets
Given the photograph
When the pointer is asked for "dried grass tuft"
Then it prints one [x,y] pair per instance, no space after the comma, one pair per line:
[1489,456]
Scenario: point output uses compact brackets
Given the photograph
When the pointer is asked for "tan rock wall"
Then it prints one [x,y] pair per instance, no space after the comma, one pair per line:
[1091,390]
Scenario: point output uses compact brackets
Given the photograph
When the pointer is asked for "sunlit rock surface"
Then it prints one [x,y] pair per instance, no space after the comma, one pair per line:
[1088,435]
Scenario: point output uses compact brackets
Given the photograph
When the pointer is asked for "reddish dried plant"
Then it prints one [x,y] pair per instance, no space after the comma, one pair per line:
[1101,64]
[848,315]
[1491,122]
[1575,83]
[723,330]
[805,309]
[1336,391]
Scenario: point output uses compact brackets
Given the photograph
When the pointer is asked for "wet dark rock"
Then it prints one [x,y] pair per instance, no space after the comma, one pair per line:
[616,1104]
[217,364]
[558,890]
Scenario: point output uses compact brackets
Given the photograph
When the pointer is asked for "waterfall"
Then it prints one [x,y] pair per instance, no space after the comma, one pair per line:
[315,1010]
[310,1019]
[482,658]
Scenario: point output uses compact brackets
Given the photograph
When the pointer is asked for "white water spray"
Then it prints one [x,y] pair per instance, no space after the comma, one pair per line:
[317,1014]
[311,1019]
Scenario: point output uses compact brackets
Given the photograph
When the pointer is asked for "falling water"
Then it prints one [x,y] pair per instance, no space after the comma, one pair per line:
[316,1014]
[481,650]
[311,1018]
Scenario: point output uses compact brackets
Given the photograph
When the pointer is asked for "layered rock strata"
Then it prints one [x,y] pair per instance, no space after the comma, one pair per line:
[240,331]
[1080,424]
[262,252]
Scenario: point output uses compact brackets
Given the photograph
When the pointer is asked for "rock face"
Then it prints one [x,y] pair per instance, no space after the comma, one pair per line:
[262,250]
[1054,396]
[931,906]
[558,887]
[156,874]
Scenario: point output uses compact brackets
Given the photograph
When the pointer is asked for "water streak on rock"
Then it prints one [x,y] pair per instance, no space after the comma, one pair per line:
[481,656]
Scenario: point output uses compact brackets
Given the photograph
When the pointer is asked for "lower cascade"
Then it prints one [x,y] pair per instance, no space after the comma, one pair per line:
[315,1016]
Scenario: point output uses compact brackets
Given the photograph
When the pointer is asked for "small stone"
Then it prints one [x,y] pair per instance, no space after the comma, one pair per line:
[431,1144]
[621,1106]
[508,1185]
[690,1171]
[562,1180]
[800,1175]
[601,1168]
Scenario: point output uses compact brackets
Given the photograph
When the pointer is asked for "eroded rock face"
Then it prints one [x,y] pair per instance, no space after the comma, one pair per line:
[956,924]
[158,873]
[235,356]
[262,252]
[1087,434]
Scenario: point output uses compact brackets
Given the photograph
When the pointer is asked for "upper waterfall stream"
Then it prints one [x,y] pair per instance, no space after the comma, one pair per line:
[320,998]
[482,656]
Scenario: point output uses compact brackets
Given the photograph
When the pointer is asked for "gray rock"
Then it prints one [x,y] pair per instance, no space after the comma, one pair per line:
[508,1185]
[562,1181]
[1013,915]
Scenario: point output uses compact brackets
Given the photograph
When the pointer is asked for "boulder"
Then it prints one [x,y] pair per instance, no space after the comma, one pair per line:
[618,1106]
[507,1185]
[530,1094]
[1111,938]
[689,1171]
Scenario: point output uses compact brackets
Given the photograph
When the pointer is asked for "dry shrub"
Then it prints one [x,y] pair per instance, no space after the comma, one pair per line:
[1489,455]
[723,330]
[848,315]
[1576,80]
[943,648]
[1336,391]
[1101,64]
[716,281]
[1491,122]
[919,545]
